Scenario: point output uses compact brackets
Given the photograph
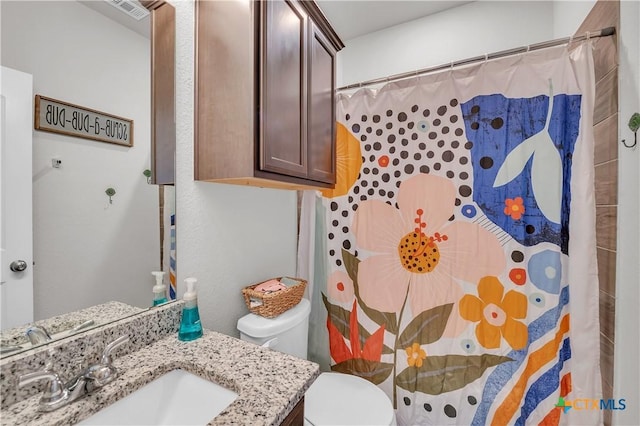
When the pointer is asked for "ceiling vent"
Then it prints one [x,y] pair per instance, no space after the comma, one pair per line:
[130,7]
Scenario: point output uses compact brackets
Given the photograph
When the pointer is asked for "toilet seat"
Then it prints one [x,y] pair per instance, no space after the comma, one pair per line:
[343,399]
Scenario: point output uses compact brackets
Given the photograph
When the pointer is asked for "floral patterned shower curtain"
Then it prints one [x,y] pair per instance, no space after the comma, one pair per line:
[460,243]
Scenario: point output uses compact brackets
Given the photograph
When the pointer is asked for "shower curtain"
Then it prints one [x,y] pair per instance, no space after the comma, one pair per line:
[455,258]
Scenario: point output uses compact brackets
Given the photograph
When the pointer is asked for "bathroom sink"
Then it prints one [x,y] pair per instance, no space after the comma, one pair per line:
[176,398]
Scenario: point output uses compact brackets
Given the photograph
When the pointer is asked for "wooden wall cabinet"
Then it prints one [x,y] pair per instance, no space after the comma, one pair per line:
[265,82]
[163,123]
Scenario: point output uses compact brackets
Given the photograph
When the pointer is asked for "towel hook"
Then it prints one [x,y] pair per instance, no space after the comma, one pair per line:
[634,125]
[635,141]
[110,193]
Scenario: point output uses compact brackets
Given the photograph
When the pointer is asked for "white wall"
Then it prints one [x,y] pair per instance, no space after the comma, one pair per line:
[87,251]
[459,33]
[568,15]
[627,332]
[227,236]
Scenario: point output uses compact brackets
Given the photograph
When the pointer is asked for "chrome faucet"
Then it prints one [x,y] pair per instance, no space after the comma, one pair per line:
[37,334]
[5,349]
[58,394]
[81,326]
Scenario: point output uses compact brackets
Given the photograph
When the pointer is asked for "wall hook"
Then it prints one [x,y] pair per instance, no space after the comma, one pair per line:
[147,173]
[634,125]
[110,192]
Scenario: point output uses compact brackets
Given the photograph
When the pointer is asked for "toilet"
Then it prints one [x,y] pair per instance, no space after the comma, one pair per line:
[334,398]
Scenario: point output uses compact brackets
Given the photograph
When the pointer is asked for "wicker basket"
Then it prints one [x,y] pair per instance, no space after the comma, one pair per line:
[273,304]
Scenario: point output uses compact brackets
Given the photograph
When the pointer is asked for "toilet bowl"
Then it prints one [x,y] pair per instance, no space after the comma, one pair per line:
[334,398]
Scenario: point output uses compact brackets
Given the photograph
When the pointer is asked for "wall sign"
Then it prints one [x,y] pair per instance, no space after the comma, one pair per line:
[73,120]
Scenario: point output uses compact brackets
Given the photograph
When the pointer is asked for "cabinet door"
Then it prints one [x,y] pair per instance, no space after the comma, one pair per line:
[163,125]
[321,104]
[283,85]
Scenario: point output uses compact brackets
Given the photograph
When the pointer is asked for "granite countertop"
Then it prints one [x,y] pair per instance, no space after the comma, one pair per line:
[100,314]
[269,384]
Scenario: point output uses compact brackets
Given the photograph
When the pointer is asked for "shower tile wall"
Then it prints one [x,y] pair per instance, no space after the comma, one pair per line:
[606,14]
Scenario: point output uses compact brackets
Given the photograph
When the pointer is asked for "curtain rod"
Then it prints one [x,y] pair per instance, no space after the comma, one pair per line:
[605,32]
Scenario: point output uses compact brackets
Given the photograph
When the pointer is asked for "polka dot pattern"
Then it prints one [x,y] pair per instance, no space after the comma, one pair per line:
[397,144]
[450,411]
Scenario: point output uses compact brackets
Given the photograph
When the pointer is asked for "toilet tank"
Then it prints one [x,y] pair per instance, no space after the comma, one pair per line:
[285,333]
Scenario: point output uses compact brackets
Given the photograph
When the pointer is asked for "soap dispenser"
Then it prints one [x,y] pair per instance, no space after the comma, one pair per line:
[190,326]
[159,290]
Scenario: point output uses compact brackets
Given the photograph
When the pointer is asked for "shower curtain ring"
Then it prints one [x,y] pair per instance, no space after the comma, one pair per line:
[486,57]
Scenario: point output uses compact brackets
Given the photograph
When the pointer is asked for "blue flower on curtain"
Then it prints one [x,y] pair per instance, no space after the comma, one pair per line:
[546,271]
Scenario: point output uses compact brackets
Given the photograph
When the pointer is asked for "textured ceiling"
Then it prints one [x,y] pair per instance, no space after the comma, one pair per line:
[350,18]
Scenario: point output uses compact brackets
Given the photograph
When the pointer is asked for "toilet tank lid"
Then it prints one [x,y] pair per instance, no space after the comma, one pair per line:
[256,326]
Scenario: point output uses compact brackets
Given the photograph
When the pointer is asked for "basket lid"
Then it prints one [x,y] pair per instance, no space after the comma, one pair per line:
[256,326]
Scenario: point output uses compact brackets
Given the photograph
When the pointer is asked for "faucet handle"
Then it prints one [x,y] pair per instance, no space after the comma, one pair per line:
[104,372]
[55,393]
[106,354]
[37,334]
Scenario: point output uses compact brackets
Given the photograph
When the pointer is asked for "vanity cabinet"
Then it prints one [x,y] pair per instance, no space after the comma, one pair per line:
[296,416]
[265,82]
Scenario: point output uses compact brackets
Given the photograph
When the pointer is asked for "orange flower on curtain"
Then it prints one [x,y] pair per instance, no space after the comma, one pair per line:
[340,352]
[348,162]
[419,250]
[496,315]
[415,355]
[514,207]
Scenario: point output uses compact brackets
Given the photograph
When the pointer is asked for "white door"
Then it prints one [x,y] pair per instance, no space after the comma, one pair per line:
[16,240]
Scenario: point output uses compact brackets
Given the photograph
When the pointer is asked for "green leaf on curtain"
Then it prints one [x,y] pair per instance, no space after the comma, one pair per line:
[441,374]
[427,327]
[351,265]
[388,319]
[375,372]
[340,318]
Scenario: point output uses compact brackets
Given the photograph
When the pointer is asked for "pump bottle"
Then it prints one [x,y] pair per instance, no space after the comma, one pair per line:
[159,290]
[190,326]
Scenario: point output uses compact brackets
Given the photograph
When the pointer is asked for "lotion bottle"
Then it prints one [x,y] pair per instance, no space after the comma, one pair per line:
[190,326]
[159,290]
